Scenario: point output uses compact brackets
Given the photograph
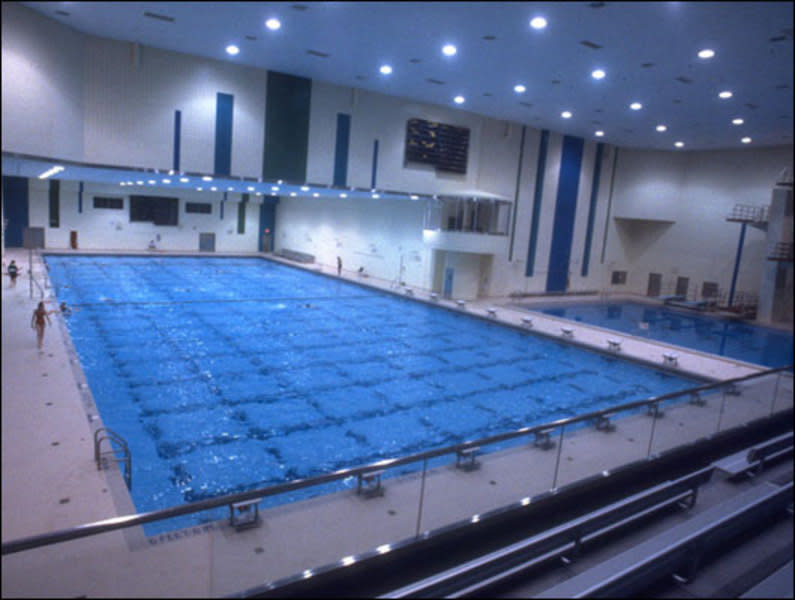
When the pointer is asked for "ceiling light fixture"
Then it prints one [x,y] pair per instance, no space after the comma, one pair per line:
[232,49]
[737,121]
[538,22]
[599,133]
[679,144]
[706,53]
[725,94]
[636,106]
[519,89]
[746,140]
[385,69]
[184,179]
[661,128]
[207,178]
[273,24]
[166,181]
[566,114]
[459,99]
[343,195]
[304,188]
[449,50]
[598,74]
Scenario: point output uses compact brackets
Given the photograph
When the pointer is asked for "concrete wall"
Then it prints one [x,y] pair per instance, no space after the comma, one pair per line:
[111,229]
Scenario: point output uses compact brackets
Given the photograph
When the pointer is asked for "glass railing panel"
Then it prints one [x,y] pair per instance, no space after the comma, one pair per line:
[596,445]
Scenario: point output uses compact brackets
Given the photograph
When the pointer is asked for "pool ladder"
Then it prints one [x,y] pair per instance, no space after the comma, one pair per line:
[118,450]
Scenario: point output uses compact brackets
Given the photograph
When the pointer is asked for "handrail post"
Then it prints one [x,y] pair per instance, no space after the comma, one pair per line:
[651,436]
[557,461]
[722,405]
[775,393]
[422,497]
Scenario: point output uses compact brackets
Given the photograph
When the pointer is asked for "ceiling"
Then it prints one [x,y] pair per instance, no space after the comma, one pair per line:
[648,50]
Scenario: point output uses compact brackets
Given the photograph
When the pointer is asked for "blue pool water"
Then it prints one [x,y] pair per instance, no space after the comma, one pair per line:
[734,339]
[225,374]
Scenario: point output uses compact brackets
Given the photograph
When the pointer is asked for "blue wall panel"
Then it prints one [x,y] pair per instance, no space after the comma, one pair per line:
[15,209]
[177,136]
[341,149]
[223,134]
[565,211]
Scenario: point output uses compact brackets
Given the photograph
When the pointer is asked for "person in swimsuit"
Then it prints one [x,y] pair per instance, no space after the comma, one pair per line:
[37,322]
[13,271]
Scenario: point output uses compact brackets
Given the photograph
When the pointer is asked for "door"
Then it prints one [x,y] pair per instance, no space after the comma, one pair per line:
[206,242]
[447,290]
[73,240]
[682,284]
[655,283]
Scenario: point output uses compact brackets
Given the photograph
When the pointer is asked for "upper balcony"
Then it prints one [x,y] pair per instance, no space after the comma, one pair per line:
[477,223]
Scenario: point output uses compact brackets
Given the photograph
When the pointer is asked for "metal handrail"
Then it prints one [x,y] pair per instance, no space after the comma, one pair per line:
[106,525]
[126,456]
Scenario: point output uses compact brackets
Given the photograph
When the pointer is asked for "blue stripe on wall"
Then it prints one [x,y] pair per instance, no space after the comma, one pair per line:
[341,149]
[177,131]
[80,197]
[565,209]
[375,164]
[540,168]
[223,134]
[597,171]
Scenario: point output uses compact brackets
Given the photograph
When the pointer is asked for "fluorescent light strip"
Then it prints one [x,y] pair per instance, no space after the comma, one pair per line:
[51,171]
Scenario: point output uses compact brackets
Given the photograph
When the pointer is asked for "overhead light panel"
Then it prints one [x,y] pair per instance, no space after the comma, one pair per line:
[737,121]
[636,106]
[746,140]
[232,50]
[51,171]
[519,89]
[459,99]
[661,128]
[706,53]
[598,74]
[538,22]
[566,114]
[725,94]
[273,24]
[385,70]
[449,50]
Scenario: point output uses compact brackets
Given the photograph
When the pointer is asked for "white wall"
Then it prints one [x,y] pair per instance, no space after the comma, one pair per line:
[374,234]
[694,191]
[111,229]
[42,90]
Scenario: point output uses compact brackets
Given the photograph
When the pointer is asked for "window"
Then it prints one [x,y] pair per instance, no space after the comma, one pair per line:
[155,209]
[106,202]
[619,278]
[444,146]
[199,207]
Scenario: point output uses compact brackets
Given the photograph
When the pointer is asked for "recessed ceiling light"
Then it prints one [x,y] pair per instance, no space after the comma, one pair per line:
[166,181]
[566,114]
[376,196]
[706,53]
[250,188]
[414,197]
[449,50]
[229,188]
[184,179]
[139,182]
[122,184]
[199,189]
[232,49]
[746,140]
[538,22]
[725,94]
[459,99]
[679,144]
[273,24]
[275,188]
[598,74]
[292,194]
[280,182]
[636,106]
[207,178]
[519,89]
[343,195]
[273,193]
[661,128]
[599,133]
[213,189]
[385,69]
[304,188]
[315,195]
[737,121]
[151,182]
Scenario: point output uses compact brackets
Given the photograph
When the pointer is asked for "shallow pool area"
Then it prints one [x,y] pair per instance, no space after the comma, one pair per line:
[698,331]
[226,374]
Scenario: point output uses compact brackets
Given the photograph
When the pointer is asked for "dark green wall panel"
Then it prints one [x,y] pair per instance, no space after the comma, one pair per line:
[286,127]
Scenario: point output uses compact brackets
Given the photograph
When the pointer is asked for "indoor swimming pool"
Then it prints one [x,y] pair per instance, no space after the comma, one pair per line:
[698,331]
[227,374]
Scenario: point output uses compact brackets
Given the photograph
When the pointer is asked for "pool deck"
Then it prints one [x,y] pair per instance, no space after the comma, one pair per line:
[50,480]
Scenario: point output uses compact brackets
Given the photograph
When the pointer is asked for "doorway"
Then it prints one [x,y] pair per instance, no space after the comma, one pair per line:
[655,284]
[73,240]
[682,283]
[447,289]
[206,242]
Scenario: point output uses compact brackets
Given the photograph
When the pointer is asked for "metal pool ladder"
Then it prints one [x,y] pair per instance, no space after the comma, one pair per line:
[118,450]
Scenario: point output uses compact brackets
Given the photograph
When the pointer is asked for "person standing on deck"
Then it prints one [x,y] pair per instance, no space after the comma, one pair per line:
[37,322]
[13,271]
[339,266]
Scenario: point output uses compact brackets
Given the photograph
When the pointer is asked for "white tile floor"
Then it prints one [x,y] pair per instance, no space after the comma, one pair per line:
[50,480]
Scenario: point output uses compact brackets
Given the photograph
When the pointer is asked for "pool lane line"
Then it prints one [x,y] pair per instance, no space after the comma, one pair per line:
[187,301]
